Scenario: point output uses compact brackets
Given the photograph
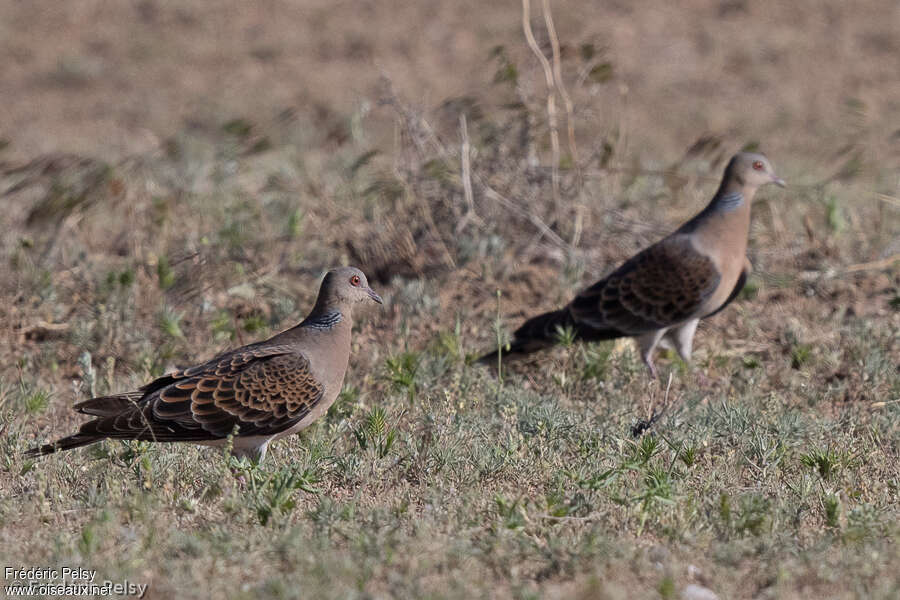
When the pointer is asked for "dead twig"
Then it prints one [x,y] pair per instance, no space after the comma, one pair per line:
[465,163]
[551,99]
[874,265]
[889,200]
[560,86]
[425,209]
[584,519]
[43,330]
[421,130]
[580,208]
[534,219]
[654,415]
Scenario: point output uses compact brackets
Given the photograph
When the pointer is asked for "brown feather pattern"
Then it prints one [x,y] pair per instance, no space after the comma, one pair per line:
[663,285]
[256,390]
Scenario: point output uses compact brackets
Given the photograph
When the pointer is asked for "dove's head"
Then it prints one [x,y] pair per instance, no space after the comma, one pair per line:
[348,286]
[753,170]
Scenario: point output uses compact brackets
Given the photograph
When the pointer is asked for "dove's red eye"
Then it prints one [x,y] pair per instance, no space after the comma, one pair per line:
[354,281]
[758,165]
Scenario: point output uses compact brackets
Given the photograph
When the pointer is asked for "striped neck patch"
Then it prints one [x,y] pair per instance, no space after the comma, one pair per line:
[730,201]
[323,321]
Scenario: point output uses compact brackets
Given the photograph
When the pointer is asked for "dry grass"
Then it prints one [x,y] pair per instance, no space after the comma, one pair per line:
[160,209]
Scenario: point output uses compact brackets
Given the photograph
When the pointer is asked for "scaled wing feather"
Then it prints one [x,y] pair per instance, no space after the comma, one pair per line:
[664,285]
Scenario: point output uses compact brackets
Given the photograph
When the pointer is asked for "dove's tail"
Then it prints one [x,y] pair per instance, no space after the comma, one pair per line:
[67,443]
[535,334]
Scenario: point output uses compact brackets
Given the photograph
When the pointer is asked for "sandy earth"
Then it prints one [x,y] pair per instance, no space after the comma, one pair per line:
[108,79]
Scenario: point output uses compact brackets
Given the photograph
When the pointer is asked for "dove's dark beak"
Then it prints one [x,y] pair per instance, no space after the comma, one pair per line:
[374,296]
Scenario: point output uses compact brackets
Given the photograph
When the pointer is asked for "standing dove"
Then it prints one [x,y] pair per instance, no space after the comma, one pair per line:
[261,392]
[664,290]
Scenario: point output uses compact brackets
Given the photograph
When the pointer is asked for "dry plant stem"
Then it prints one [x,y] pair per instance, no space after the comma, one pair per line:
[889,200]
[570,123]
[584,519]
[415,124]
[875,265]
[652,414]
[412,121]
[560,86]
[429,218]
[535,220]
[465,162]
[551,99]
[498,324]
